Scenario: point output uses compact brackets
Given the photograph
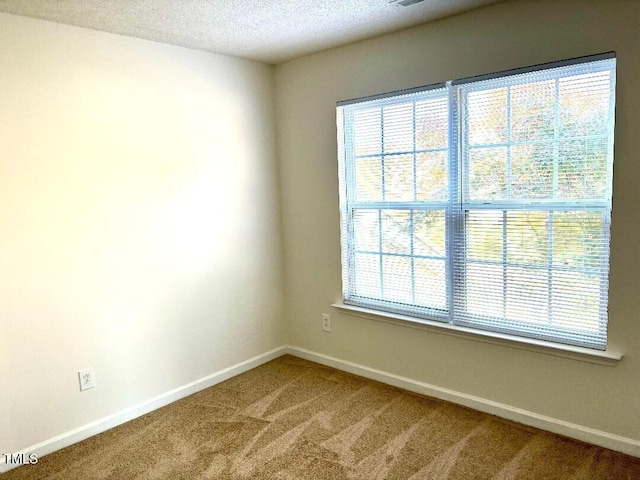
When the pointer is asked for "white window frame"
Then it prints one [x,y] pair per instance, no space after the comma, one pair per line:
[455,209]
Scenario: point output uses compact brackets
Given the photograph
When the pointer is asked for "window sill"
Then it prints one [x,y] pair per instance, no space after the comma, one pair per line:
[607,357]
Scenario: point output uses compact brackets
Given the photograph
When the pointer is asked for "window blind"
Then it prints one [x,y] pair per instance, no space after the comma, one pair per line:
[484,203]
[397,201]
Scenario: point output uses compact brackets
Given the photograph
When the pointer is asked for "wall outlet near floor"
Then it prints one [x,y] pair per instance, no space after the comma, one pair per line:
[87,379]
[326,322]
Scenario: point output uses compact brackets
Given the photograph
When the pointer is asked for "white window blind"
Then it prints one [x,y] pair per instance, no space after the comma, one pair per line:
[484,202]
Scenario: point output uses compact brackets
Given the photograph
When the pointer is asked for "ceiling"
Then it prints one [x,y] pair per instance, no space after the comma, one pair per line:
[264,30]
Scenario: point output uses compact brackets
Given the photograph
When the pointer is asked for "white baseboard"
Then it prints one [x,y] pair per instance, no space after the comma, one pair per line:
[579,432]
[118,418]
[560,427]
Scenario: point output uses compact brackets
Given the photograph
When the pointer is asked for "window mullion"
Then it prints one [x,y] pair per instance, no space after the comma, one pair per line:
[505,279]
[550,267]
[604,269]
[382,196]
[415,198]
[350,194]
[508,136]
[554,195]
[380,257]
[505,216]
[454,216]
[556,137]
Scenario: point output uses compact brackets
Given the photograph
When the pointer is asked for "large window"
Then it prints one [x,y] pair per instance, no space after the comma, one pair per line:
[484,202]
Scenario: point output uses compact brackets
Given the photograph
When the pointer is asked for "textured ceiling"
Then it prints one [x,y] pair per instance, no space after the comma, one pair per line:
[263,30]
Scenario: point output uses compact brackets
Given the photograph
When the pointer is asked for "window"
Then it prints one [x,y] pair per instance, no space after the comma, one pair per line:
[484,202]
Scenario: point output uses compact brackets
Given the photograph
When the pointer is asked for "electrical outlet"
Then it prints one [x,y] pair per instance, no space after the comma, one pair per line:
[326,322]
[87,379]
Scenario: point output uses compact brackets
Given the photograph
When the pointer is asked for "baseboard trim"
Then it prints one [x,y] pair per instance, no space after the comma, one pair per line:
[560,427]
[118,418]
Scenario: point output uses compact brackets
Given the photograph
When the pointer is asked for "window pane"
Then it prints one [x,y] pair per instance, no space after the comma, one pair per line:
[484,290]
[584,104]
[488,173]
[528,237]
[366,270]
[432,123]
[576,300]
[429,233]
[432,176]
[398,128]
[430,283]
[368,173]
[396,231]
[583,169]
[532,171]
[578,240]
[398,178]
[527,295]
[532,111]
[484,235]
[366,230]
[487,116]
[367,132]
[396,275]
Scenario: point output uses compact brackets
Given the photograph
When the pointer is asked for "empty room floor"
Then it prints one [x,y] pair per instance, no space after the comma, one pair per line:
[293,419]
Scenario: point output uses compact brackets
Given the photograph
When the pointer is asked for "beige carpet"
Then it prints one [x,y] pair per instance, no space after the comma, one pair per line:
[293,419]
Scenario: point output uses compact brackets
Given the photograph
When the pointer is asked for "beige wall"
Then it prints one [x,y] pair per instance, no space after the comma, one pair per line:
[139,227]
[499,37]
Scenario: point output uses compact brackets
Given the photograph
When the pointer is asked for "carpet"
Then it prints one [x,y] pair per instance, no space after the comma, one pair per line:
[294,419]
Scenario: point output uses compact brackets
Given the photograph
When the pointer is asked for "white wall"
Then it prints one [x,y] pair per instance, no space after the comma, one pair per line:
[139,227]
[503,36]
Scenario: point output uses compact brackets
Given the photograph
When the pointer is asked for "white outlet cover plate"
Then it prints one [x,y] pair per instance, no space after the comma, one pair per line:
[326,322]
[87,379]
